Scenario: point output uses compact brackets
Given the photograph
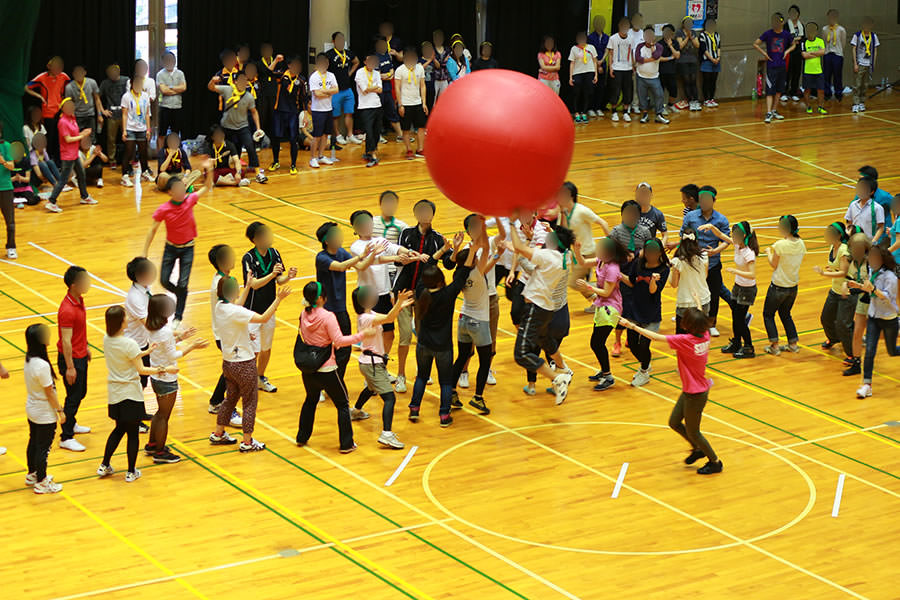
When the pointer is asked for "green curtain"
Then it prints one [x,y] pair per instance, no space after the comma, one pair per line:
[16,31]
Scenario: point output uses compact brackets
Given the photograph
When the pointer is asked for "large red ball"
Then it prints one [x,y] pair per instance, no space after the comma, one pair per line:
[499,141]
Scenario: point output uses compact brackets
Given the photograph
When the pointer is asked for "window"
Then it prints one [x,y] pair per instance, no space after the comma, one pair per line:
[156,30]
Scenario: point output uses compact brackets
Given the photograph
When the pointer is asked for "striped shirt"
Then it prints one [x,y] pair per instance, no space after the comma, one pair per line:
[710,43]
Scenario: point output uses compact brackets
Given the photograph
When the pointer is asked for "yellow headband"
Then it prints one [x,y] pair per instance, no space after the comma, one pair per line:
[64,100]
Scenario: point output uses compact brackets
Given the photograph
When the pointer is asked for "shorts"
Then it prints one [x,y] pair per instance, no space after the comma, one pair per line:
[320,119]
[383,307]
[679,310]
[405,326]
[163,388]
[775,80]
[136,136]
[127,410]
[473,331]
[862,305]
[413,116]
[343,103]
[745,296]
[814,82]
[376,376]
[218,173]
[285,125]
[169,119]
[605,316]
[265,334]
[389,106]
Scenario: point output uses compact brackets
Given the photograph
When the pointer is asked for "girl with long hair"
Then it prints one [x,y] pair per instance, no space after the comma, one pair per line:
[785,257]
[41,407]
[689,267]
[882,287]
[837,312]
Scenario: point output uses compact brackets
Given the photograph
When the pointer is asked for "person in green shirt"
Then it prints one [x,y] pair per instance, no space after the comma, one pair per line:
[7,165]
[812,50]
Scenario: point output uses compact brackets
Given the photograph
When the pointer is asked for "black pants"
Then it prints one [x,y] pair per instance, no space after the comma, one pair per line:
[333,385]
[739,326]
[51,124]
[717,290]
[640,347]
[583,92]
[387,413]
[685,419]
[794,69]
[532,338]
[669,83]
[485,355]
[145,379]
[75,393]
[599,97]
[443,361]
[342,355]
[688,72]
[371,124]
[837,319]
[598,345]
[86,121]
[557,331]
[184,256]
[709,84]
[40,438]
[265,105]
[123,428]
[621,82]
[780,300]
[9,215]
[243,139]
[218,395]
[276,149]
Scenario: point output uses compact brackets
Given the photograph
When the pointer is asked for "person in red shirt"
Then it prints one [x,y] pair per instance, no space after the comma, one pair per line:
[692,349]
[74,353]
[69,143]
[181,229]
[49,87]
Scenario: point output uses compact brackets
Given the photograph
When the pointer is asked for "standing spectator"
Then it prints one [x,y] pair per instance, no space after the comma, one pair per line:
[323,87]
[441,54]
[582,76]
[7,166]
[368,87]
[778,43]
[270,68]
[635,38]
[648,55]
[812,51]
[148,86]
[394,44]
[172,85]
[668,74]
[343,63]
[485,58]
[386,68]
[430,64]
[48,87]
[833,63]
[410,80]
[711,61]
[865,50]
[111,91]
[794,59]
[598,39]
[290,90]
[458,63]
[549,63]
[239,106]
[620,58]
[85,94]
[136,132]
[688,45]
[74,354]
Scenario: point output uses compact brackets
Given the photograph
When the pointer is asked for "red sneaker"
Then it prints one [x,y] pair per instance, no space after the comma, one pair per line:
[410,155]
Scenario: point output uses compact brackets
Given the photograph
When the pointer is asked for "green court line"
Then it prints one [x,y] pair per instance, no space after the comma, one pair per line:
[34,312]
[11,344]
[774,164]
[380,186]
[396,524]
[333,548]
[259,216]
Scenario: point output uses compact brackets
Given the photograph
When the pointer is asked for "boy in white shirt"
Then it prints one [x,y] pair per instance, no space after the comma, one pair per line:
[621,58]
[833,63]
[865,50]
[322,86]
[636,37]
[172,85]
[864,211]
[582,75]
[409,82]
[648,55]
[368,86]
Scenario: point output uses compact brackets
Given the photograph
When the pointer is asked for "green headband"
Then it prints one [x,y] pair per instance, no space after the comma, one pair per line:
[353,223]
[563,249]
[744,231]
[318,291]
[706,192]
[654,242]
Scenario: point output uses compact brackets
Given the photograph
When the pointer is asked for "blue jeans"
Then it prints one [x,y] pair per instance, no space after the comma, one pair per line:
[185,258]
[443,359]
[49,170]
[67,167]
[874,328]
[650,92]
[780,300]
[833,65]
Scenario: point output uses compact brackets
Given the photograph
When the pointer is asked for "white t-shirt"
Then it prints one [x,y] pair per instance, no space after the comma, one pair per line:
[166,353]
[149,87]
[316,83]
[372,100]
[649,69]
[693,279]
[548,270]
[580,221]
[743,256]
[37,378]
[136,308]
[862,216]
[859,47]
[130,104]
[233,324]
[790,252]
[410,93]
[213,300]
[123,381]
[377,275]
[577,55]
[476,302]
[622,52]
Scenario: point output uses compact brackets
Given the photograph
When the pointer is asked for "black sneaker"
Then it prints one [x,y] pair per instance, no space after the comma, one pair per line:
[455,404]
[607,382]
[645,118]
[694,457]
[334,146]
[150,449]
[478,403]
[853,369]
[827,345]
[413,414]
[732,347]
[745,352]
[166,457]
[598,376]
[446,420]
[710,467]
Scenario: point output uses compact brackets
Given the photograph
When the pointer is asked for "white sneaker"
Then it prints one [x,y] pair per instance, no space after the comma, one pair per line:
[635,108]
[30,479]
[213,410]
[146,176]
[662,119]
[99,183]
[236,419]
[592,113]
[430,381]
[777,116]
[314,163]
[713,332]
[67,188]
[382,140]
[640,378]
[855,108]
[261,177]
[131,476]
[11,254]
[341,140]
[561,387]
[79,428]
[862,108]
[105,470]
[491,379]
[626,117]
[615,117]
[784,98]
[795,98]
[47,486]
[126,181]
[244,182]
[324,160]
[88,200]
[358,414]
[254,446]
[53,207]
[265,385]
[354,140]
[389,439]
[72,444]
[865,391]
[400,386]
[463,379]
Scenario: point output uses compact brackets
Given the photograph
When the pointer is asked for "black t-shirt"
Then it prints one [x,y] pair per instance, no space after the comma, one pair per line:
[669,65]
[22,168]
[385,65]
[340,66]
[646,308]
[435,329]
[222,156]
[479,64]
[290,93]
[179,163]
[260,266]
[268,76]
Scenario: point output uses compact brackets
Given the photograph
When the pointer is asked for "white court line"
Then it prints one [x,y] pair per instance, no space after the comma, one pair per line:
[879,119]
[402,466]
[785,154]
[56,275]
[618,487]
[249,561]
[831,437]
[61,259]
[837,495]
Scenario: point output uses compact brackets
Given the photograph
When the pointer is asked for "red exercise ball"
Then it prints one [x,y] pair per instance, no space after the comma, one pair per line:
[499,141]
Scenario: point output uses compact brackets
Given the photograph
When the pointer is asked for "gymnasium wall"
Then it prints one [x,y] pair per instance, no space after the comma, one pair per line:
[741,22]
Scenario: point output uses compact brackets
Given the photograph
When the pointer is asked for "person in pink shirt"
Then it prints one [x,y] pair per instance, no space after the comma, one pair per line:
[319,327]
[692,349]
[181,229]
[549,63]
[69,142]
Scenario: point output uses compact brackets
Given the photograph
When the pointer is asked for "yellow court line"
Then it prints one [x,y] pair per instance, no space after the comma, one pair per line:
[306,522]
[121,537]
[303,208]
[240,220]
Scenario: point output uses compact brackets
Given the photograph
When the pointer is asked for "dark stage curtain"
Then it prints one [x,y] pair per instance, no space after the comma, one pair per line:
[205,28]
[93,33]
[413,20]
[16,29]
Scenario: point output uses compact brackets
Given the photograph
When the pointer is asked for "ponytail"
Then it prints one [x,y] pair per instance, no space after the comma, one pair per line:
[791,222]
[841,230]
[749,236]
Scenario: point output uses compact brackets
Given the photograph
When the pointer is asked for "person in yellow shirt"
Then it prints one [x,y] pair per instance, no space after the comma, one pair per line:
[813,49]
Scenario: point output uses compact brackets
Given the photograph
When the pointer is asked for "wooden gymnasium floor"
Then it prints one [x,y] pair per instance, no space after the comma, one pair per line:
[516,504]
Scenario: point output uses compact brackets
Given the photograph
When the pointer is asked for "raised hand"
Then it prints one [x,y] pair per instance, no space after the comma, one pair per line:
[284,292]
